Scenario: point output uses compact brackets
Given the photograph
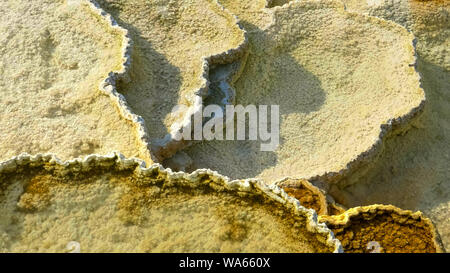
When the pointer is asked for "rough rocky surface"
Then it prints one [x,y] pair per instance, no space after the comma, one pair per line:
[311,196]
[354,121]
[112,204]
[175,42]
[374,228]
[342,82]
[385,229]
[53,56]
[308,195]
[413,170]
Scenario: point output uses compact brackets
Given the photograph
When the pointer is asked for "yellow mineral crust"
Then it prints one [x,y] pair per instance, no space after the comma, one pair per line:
[427,19]
[393,229]
[175,43]
[308,195]
[342,82]
[413,170]
[113,204]
[311,196]
[53,57]
[381,228]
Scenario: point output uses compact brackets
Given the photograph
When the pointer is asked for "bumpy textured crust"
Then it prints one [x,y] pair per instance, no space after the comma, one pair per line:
[413,170]
[109,84]
[308,195]
[335,208]
[343,82]
[175,43]
[126,199]
[109,203]
[53,56]
[311,196]
[427,19]
[393,229]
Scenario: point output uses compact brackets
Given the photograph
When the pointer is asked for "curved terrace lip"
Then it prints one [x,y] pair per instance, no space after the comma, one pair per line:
[387,128]
[333,177]
[347,217]
[168,146]
[109,84]
[115,160]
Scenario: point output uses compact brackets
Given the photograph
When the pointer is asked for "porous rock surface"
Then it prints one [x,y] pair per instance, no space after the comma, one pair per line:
[340,90]
[343,81]
[53,57]
[393,230]
[413,170]
[308,195]
[374,228]
[175,43]
[112,204]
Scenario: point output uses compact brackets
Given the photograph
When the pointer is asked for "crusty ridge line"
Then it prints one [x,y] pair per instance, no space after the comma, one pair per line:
[345,219]
[194,179]
[298,183]
[168,145]
[333,177]
[109,84]
[386,129]
[171,146]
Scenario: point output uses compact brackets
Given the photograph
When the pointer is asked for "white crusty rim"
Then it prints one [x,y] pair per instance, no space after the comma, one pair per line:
[166,145]
[345,219]
[108,85]
[215,181]
[387,128]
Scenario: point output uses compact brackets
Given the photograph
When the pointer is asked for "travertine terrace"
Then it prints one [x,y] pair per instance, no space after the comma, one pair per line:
[373,228]
[393,229]
[175,43]
[343,81]
[54,56]
[413,171]
[87,122]
[308,195]
[112,204]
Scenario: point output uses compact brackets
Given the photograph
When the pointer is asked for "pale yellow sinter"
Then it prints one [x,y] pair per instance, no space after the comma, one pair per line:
[336,76]
[112,205]
[414,170]
[53,56]
[427,19]
[175,42]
